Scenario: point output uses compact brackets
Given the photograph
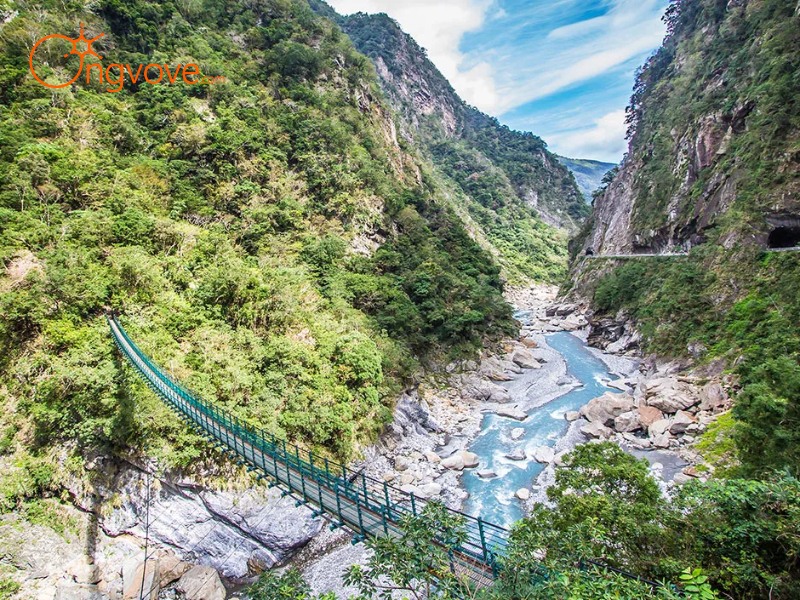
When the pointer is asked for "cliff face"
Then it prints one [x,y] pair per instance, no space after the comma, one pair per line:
[714,153]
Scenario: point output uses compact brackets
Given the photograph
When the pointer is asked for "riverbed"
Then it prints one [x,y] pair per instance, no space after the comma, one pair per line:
[503,471]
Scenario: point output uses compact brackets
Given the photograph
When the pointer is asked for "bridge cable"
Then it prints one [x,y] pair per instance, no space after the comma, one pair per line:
[146,538]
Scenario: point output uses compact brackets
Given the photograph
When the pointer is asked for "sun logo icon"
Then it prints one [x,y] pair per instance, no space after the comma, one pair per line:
[80,42]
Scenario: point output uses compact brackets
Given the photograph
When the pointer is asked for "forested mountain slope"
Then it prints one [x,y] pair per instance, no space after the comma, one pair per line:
[268,238]
[713,166]
[509,183]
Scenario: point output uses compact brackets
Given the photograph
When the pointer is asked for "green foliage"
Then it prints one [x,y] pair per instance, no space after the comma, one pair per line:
[416,562]
[289,586]
[221,220]
[695,585]
[8,588]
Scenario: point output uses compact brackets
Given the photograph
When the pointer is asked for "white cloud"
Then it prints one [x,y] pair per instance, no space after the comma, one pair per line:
[438,26]
[603,140]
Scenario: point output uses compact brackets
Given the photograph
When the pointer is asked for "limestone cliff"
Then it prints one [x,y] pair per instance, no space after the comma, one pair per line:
[713,155]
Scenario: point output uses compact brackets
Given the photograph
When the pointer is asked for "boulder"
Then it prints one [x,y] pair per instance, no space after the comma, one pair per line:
[517,433]
[389,477]
[432,457]
[523,358]
[628,421]
[543,454]
[400,463]
[565,309]
[470,459]
[658,427]
[607,407]
[558,459]
[680,422]
[596,430]
[461,460]
[406,479]
[523,494]
[171,568]
[712,397]
[528,342]
[512,412]
[83,570]
[150,572]
[649,415]
[517,454]
[486,474]
[572,415]
[661,440]
[669,395]
[486,391]
[429,490]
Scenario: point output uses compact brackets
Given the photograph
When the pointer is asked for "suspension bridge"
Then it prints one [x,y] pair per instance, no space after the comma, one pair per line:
[350,499]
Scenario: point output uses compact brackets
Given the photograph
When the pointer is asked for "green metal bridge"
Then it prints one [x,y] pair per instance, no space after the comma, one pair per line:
[351,499]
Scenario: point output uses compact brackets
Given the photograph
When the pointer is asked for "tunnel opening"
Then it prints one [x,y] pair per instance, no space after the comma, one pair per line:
[589,252]
[784,237]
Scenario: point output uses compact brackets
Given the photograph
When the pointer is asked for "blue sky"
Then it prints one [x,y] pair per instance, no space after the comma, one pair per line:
[562,69]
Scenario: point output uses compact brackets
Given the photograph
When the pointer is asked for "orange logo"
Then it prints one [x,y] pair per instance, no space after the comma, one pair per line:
[115,74]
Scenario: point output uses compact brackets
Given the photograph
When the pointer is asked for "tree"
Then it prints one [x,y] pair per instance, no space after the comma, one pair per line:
[417,561]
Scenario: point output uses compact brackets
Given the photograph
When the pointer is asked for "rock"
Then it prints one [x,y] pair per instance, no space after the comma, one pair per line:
[628,421]
[572,415]
[512,412]
[486,474]
[680,422]
[201,583]
[681,479]
[523,494]
[430,490]
[406,479]
[83,570]
[461,460]
[485,391]
[517,454]
[565,309]
[409,489]
[171,568]
[525,359]
[67,590]
[649,415]
[558,459]
[528,342]
[658,427]
[607,407]
[401,463]
[151,574]
[411,416]
[669,395]
[470,459]
[432,457]
[517,433]
[454,462]
[596,430]
[543,454]
[389,477]
[661,440]
[691,471]
[712,397]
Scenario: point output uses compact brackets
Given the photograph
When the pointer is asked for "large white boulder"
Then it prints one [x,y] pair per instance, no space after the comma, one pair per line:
[607,407]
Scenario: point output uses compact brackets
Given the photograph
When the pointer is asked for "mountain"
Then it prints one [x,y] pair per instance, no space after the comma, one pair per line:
[269,237]
[588,173]
[512,189]
[713,156]
[713,167]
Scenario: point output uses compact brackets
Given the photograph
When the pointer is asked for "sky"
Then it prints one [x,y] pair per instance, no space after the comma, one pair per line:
[562,69]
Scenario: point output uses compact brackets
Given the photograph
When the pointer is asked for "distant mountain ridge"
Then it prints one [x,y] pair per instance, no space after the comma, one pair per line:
[588,173]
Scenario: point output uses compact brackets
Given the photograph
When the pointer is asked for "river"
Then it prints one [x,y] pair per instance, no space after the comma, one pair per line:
[494,498]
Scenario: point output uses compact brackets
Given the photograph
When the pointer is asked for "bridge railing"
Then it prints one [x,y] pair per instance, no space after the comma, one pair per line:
[271,455]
